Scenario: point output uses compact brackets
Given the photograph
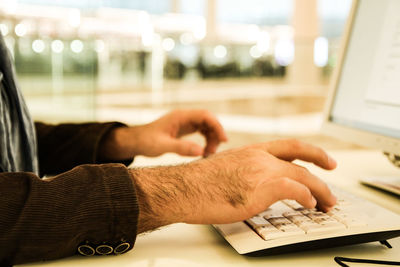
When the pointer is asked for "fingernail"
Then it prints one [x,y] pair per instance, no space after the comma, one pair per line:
[334,200]
[313,201]
[332,162]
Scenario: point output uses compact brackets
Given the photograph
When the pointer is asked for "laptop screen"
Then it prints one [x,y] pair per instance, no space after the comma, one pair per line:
[367,95]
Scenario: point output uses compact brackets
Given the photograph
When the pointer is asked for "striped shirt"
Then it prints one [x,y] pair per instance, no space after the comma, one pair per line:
[18,151]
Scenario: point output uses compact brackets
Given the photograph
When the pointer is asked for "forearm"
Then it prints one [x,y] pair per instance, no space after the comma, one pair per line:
[195,193]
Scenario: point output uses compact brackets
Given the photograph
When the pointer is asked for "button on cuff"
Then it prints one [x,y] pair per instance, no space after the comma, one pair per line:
[104,249]
[122,248]
[90,249]
[86,250]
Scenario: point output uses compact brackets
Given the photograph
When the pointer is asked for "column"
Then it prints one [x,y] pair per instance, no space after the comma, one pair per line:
[305,22]
[175,6]
[211,19]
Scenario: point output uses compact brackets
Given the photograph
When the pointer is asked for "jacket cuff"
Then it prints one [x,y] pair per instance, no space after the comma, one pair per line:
[124,212]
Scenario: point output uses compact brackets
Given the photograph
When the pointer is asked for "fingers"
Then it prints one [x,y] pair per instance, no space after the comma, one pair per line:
[208,125]
[290,150]
[317,187]
[290,189]
[212,142]
[214,134]
[185,148]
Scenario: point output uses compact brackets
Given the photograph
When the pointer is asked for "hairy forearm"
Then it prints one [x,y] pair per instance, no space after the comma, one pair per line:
[189,193]
[162,196]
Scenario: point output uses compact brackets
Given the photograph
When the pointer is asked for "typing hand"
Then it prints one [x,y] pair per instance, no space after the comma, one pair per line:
[233,185]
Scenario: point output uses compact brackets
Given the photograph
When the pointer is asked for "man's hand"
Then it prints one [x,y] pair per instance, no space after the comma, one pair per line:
[163,135]
[232,186]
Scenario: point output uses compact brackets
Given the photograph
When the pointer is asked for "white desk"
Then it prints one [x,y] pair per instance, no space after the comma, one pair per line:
[200,245]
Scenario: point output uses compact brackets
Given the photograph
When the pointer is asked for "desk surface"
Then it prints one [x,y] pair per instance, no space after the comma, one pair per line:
[200,245]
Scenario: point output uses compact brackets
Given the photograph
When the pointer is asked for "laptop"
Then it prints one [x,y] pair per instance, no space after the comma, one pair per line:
[363,107]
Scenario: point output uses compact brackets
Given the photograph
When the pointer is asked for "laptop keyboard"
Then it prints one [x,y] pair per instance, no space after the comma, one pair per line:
[287,218]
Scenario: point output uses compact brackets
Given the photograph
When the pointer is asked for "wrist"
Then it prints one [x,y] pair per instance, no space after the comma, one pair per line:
[160,195]
[120,144]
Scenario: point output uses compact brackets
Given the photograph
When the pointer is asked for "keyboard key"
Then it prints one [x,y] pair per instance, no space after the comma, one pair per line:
[292,213]
[319,217]
[283,230]
[269,233]
[308,211]
[271,213]
[279,221]
[310,227]
[298,219]
[284,225]
[293,204]
[257,221]
[293,229]
[276,210]
[329,222]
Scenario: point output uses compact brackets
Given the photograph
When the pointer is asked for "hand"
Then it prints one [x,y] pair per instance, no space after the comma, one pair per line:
[233,185]
[163,135]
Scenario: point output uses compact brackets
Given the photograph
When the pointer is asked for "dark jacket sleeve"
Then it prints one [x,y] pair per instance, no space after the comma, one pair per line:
[64,146]
[50,218]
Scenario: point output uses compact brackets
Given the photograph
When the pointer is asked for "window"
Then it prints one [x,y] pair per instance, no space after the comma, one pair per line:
[193,7]
[260,12]
[151,6]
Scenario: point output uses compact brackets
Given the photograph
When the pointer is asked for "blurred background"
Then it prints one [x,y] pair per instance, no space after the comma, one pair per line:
[262,66]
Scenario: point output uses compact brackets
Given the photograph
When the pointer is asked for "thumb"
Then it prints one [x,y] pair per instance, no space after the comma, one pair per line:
[187,148]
